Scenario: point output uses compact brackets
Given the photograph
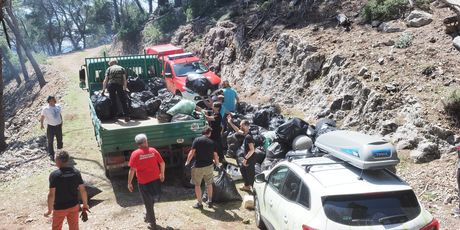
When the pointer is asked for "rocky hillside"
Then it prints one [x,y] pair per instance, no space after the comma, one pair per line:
[355,75]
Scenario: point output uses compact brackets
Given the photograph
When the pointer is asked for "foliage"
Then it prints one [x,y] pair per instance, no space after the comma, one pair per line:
[452,103]
[384,9]
[164,26]
[405,40]
[41,58]
[132,24]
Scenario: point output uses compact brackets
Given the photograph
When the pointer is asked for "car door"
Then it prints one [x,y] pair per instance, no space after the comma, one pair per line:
[290,192]
[304,215]
[170,79]
[272,197]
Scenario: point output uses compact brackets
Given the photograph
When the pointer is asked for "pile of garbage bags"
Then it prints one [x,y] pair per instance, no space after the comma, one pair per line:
[146,99]
[275,138]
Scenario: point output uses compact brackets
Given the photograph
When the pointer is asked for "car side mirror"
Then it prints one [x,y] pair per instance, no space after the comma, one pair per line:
[168,75]
[260,178]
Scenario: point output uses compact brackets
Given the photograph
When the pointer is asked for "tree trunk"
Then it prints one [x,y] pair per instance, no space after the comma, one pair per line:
[117,13]
[17,34]
[140,6]
[13,69]
[2,112]
[150,6]
[22,61]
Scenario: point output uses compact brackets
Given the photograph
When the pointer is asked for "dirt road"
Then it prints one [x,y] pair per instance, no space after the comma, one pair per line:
[24,199]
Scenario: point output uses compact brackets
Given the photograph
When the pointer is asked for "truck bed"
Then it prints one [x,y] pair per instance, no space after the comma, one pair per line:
[121,124]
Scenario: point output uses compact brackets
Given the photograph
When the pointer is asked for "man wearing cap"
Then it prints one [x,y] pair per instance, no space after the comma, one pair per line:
[115,82]
[148,166]
[52,114]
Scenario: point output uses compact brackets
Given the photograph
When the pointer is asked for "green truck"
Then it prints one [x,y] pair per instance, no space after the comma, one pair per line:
[116,139]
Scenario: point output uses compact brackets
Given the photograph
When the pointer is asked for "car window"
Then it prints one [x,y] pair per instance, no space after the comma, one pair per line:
[304,198]
[183,69]
[277,177]
[168,68]
[291,187]
[372,209]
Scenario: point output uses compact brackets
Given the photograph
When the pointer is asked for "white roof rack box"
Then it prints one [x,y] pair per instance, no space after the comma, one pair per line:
[360,150]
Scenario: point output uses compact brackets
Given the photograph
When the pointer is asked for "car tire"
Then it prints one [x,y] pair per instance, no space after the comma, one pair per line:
[258,217]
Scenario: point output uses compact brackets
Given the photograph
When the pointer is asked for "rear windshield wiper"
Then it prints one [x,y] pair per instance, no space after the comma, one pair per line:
[393,219]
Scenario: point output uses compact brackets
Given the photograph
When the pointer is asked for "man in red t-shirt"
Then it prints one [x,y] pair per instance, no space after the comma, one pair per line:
[148,166]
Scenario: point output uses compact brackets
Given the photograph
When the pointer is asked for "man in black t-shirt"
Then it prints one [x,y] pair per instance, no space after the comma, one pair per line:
[247,163]
[204,151]
[215,121]
[65,183]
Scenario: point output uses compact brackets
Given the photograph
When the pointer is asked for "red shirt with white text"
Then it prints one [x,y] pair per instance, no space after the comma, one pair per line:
[146,161]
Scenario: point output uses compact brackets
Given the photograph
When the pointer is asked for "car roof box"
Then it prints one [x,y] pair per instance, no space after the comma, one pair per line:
[360,150]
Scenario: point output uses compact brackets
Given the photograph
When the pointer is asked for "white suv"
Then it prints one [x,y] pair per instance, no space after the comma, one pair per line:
[327,193]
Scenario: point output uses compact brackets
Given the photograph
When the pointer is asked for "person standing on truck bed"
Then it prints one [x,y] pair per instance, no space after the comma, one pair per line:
[52,114]
[115,82]
[65,183]
[215,121]
[148,166]
[204,151]
[246,161]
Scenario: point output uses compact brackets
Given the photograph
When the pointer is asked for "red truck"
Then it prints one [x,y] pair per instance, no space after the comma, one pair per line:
[180,68]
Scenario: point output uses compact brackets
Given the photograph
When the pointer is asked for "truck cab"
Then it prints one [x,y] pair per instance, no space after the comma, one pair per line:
[178,65]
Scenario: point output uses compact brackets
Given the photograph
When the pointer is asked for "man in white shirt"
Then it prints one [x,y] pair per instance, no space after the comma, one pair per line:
[52,114]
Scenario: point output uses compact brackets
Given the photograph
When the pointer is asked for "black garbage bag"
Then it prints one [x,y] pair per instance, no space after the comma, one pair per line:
[258,140]
[234,142]
[135,84]
[103,105]
[262,118]
[152,106]
[269,163]
[276,122]
[164,94]
[91,191]
[146,95]
[155,84]
[323,126]
[259,155]
[198,84]
[223,189]
[298,154]
[245,108]
[163,117]
[137,109]
[182,117]
[277,150]
[290,130]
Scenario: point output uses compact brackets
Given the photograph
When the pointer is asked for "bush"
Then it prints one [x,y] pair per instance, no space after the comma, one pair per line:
[163,28]
[132,24]
[452,103]
[404,41]
[384,9]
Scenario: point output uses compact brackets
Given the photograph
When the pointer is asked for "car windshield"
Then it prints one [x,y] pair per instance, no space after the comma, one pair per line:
[192,67]
[372,209]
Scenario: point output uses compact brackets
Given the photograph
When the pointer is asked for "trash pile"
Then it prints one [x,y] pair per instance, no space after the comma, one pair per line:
[147,99]
[276,138]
